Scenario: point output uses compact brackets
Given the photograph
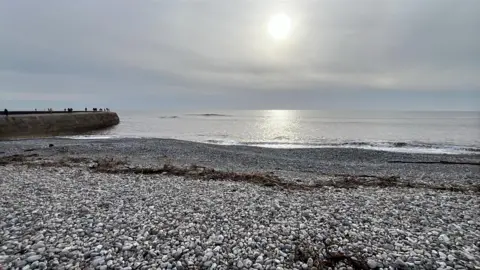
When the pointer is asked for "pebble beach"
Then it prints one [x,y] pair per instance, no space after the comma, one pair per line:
[68,216]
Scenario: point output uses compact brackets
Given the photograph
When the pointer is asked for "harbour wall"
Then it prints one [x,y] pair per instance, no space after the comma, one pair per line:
[28,125]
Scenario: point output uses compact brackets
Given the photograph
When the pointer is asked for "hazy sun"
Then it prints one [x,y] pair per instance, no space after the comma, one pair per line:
[279,26]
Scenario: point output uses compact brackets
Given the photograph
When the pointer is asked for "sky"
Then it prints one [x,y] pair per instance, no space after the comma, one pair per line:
[217,54]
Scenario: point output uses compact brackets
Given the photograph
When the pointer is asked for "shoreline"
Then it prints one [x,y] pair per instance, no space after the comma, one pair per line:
[386,146]
[166,204]
[304,162]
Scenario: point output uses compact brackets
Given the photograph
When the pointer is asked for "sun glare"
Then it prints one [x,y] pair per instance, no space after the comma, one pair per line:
[279,26]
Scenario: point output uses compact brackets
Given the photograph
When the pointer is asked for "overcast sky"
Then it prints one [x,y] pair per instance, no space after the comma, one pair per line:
[191,54]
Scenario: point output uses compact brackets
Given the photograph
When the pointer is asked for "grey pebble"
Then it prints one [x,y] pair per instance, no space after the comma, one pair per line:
[372,264]
[98,261]
[34,258]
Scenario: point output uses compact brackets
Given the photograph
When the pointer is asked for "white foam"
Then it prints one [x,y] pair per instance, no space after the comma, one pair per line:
[412,150]
[97,137]
[415,150]
[285,146]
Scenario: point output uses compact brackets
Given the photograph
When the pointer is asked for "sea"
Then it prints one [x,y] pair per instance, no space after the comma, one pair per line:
[447,132]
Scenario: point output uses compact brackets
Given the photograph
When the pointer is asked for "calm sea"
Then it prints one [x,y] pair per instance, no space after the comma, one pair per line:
[420,132]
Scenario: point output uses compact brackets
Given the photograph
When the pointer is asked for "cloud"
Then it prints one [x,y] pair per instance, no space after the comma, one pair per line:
[193,50]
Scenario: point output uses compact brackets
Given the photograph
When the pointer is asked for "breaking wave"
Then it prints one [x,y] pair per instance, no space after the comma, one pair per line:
[210,115]
[406,147]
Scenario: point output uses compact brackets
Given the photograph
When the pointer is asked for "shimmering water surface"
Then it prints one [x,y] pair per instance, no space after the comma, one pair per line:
[423,132]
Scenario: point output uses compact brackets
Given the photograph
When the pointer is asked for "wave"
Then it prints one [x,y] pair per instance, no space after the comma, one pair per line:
[210,114]
[413,147]
[222,142]
[90,137]
[168,117]
[404,147]
[101,137]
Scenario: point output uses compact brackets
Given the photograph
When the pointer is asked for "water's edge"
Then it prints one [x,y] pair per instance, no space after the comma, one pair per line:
[400,147]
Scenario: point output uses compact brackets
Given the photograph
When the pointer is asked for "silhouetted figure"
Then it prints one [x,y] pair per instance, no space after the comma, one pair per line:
[6,112]
[86,109]
[64,110]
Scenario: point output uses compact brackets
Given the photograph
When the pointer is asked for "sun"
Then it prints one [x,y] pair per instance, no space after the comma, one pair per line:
[279,26]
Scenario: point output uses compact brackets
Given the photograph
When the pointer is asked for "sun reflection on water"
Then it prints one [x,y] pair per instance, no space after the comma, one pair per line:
[279,126]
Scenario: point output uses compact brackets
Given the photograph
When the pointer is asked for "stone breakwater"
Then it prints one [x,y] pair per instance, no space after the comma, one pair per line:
[43,125]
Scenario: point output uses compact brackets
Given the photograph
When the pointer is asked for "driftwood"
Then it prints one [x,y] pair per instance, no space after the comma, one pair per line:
[268,179]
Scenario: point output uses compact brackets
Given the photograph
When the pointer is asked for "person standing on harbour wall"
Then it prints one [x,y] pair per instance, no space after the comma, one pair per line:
[6,112]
